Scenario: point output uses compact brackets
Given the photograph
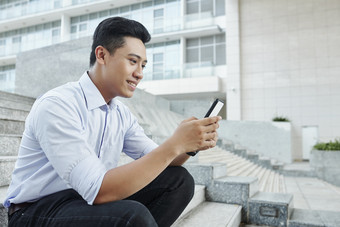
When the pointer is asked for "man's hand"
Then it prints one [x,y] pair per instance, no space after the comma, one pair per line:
[194,134]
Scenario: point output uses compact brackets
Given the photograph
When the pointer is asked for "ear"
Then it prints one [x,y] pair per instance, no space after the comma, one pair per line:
[100,54]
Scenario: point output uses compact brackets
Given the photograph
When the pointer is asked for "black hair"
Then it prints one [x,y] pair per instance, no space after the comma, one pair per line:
[111,33]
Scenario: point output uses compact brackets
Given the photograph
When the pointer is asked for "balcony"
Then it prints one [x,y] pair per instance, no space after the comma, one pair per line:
[197,79]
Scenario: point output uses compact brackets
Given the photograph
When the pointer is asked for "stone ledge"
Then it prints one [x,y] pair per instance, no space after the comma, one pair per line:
[272,209]
[205,173]
[233,190]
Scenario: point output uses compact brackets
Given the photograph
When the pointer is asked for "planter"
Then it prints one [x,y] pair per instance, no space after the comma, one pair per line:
[326,165]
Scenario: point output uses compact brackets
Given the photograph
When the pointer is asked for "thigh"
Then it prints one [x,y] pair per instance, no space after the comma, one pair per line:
[67,208]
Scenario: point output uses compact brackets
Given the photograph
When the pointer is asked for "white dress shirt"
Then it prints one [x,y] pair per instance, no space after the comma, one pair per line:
[72,138]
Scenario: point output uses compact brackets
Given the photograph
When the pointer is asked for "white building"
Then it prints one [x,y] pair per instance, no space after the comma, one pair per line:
[265,58]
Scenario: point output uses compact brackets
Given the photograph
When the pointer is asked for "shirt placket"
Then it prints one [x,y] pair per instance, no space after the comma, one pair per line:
[105,125]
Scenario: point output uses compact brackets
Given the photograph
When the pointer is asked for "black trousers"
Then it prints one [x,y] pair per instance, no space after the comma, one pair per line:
[158,204]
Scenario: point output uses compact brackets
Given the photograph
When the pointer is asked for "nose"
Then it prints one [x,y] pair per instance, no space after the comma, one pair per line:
[138,73]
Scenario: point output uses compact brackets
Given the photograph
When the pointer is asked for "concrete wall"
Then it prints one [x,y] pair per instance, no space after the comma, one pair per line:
[269,139]
[290,64]
[39,70]
[326,165]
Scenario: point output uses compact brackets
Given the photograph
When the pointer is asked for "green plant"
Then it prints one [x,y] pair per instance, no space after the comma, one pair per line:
[281,119]
[330,146]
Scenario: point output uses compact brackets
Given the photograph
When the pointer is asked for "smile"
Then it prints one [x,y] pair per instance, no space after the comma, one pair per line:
[132,84]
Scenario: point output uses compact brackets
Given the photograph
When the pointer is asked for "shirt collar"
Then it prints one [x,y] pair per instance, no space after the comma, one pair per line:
[93,97]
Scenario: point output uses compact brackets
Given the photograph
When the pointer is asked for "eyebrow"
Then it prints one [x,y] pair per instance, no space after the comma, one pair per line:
[137,56]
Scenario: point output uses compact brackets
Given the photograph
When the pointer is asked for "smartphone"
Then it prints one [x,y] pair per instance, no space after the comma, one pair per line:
[214,109]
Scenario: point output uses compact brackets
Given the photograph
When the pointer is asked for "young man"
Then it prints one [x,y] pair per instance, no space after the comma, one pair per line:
[67,174]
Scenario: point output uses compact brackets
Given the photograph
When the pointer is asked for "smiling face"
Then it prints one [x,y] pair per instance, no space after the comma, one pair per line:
[119,74]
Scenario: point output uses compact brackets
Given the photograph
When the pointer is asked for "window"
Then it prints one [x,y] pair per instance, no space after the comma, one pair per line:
[7,78]
[82,27]
[163,61]
[206,51]
[158,16]
[157,66]
[199,6]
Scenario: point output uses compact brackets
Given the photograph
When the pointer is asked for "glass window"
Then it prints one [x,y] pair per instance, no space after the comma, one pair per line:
[74,20]
[207,50]
[136,6]
[192,42]
[93,16]
[207,40]
[200,6]
[163,59]
[158,2]
[158,13]
[104,13]
[220,54]
[220,8]
[147,4]
[207,54]
[207,6]
[82,27]
[73,28]
[124,9]
[56,32]
[192,55]
[192,7]
[114,11]
[16,39]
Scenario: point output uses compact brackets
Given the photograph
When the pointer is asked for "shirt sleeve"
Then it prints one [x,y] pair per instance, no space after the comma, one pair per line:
[58,128]
[136,143]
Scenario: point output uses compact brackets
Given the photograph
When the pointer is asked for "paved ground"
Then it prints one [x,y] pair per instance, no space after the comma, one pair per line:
[312,193]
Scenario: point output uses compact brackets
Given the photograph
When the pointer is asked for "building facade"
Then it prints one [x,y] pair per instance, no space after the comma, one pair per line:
[264,58]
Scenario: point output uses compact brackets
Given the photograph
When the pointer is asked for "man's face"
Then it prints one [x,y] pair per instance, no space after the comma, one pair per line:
[123,70]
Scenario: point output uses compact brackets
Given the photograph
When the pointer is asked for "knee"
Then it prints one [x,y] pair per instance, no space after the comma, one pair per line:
[187,183]
[140,215]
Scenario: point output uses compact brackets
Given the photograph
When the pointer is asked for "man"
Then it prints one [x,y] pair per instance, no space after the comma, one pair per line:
[67,174]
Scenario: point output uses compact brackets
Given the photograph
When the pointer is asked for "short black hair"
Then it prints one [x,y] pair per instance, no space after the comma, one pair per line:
[111,33]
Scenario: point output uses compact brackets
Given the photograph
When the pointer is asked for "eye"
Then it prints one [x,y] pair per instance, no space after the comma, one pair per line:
[143,66]
[133,61]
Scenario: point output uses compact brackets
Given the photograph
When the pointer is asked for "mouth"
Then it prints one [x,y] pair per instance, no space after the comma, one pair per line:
[132,84]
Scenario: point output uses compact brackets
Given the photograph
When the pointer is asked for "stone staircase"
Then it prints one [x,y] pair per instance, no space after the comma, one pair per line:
[13,112]
[231,189]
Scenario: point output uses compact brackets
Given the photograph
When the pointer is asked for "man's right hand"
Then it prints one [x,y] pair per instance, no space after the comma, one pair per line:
[195,134]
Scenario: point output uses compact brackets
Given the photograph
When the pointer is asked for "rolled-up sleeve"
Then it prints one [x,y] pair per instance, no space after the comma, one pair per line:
[136,143]
[59,128]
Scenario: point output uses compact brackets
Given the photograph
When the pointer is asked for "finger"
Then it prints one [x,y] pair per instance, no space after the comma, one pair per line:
[189,119]
[210,120]
[210,128]
[209,144]
[211,136]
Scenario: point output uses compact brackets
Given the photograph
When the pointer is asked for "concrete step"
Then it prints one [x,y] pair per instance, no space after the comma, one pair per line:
[9,144]
[199,197]
[205,173]
[15,105]
[16,98]
[233,190]
[272,209]
[212,214]
[314,218]
[11,126]
[7,164]
[269,180]
[13,114]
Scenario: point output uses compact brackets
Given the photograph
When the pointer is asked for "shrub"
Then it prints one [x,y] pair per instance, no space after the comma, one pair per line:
[281,119]
[330,146]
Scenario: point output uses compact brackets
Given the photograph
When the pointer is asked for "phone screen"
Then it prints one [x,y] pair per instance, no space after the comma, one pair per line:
[215,108]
